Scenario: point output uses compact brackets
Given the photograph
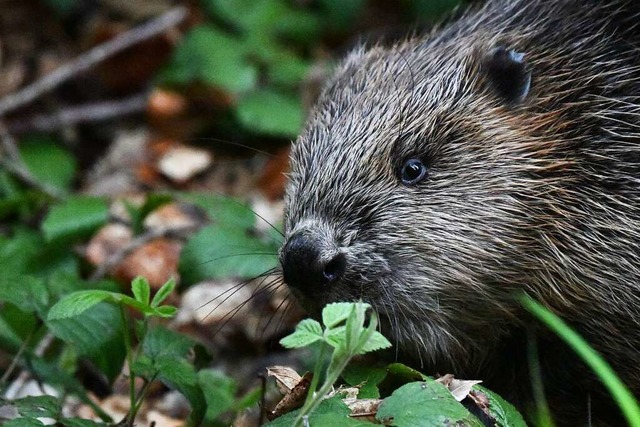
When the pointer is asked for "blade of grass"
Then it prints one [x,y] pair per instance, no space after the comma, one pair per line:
[623,397]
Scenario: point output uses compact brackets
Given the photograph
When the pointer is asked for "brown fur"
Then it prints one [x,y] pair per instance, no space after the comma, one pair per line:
[539,195]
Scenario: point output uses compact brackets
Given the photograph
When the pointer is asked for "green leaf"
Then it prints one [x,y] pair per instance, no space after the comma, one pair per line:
[140,290]
[50,373]
[211,56]
[23,422]
[75,218]
[166,311]
[287,69]
[38,406]
[25,292]
[224,211]
[78,302]
[247,15]
[376,342]
[218,252]
[331,412]
[18,251]
[504,413]
[354,326]
[219,392]
[424,404]
[335,313]
[270,112]
[366,377]
[10,339]
[337,337]
[180,375]
[306,333]
[96,334]
[163,292]
[48,162]
[161,342]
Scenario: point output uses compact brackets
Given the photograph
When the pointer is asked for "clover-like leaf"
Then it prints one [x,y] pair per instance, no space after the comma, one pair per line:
[307,332]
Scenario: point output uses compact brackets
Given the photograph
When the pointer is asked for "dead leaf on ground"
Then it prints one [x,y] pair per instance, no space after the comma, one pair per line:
[294,399]
[460,389]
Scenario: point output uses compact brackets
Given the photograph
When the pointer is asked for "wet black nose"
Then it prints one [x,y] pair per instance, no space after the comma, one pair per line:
[307,266]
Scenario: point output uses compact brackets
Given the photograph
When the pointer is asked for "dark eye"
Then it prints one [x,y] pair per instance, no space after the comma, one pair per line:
[413,171]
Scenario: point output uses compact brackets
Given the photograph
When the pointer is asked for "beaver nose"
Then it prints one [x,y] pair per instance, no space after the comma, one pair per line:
[307,266]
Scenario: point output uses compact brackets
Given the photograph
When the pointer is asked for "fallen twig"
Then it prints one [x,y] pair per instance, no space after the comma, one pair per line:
[10,160]
[91,58]
[79,114]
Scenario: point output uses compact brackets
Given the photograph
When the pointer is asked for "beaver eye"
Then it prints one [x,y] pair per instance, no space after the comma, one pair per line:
[413,171]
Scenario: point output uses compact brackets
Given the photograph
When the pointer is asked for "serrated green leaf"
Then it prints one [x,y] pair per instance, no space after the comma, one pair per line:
[354,327]
[141,290]
[163,292]
[366,377]
[219,391]
[306,333]
[160,342]
[424,404]
[371,339]
[336,337]
[78,302]
[337,312]
[376,342]
[270,112]
[49,163]
[144,367]
[218,252]
[331,412]
[76,217]
[96,334]
[504,413]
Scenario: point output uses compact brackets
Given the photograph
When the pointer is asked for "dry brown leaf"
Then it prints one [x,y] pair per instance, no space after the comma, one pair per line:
[286,378]
[175,216]
[294,399]
[363,408]
[181,163]
[156,260]
[110,239]
[460,389]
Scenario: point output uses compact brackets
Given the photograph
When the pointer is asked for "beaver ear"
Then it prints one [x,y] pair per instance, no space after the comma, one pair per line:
[508,73]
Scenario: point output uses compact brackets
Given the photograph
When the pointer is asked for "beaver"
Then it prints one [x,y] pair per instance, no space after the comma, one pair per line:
[439,176]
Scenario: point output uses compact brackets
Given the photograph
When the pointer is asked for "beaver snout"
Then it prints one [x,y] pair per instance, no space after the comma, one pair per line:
[309,263]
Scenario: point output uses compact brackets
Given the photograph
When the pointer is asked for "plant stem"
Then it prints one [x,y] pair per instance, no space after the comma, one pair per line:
[16,358]
[311,395]
[132,384]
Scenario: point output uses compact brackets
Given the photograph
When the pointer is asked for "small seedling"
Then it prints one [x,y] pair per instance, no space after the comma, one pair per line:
[346,332]
[78,302]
